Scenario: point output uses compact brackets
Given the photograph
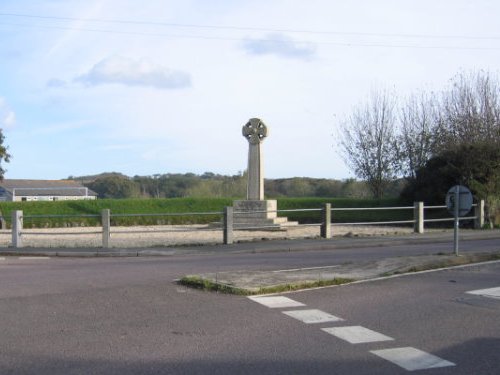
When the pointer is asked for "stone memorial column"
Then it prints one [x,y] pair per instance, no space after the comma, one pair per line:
[255,212]
[255,131]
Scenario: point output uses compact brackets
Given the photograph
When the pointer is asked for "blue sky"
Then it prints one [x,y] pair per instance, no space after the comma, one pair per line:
[160,86]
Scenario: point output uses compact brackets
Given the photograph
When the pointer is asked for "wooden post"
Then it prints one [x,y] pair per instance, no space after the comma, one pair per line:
[479,214]
[106,226]
[17,227]
[3,223]
[418,216]
[326,225]
[228,225]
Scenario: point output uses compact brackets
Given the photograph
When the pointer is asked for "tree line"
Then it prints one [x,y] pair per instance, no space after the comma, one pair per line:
[211,185]
[433,140]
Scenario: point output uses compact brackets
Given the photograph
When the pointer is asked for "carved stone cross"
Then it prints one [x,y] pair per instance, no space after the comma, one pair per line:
[255,131]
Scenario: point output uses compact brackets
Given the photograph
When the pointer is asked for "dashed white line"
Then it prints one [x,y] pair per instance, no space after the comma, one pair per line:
[412,359]
[33,258]
[307,269]
[490,292]
[357,334]
[312,316]
[409,358]
[276,302]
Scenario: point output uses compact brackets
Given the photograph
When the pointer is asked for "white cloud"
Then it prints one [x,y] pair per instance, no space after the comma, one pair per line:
[130,72]
[7,116]
[280,45]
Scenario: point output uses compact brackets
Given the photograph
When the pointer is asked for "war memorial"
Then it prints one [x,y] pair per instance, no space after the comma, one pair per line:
[256,211]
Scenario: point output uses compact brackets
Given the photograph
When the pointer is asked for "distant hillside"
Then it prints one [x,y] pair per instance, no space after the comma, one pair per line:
[92,178]
[211,185]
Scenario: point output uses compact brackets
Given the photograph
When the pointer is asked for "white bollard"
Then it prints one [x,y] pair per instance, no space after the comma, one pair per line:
[228,225]
[17,228]
[418,216]
[479,214]
[326,225]
[106,226]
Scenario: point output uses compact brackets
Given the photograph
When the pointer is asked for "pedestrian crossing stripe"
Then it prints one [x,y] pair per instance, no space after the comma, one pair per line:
[412,359]
[490,292]
[312,316]
[276,302]
[357,334]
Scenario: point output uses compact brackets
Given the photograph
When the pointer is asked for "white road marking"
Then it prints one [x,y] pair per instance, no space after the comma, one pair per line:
[357,334]
[412,359]
[276,302]
[306,269]
[2,258]
[491,292]
[33,258]
[312,316]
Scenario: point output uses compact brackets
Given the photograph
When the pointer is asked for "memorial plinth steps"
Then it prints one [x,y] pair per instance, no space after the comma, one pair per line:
[262,214]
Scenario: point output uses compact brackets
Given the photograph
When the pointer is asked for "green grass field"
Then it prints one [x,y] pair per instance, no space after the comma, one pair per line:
[68,213]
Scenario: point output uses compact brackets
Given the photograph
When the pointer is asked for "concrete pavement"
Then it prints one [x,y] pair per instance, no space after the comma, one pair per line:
[277,281]
[261,246]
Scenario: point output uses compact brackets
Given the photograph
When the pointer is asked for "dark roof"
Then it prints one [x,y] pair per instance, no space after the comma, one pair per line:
[45,187]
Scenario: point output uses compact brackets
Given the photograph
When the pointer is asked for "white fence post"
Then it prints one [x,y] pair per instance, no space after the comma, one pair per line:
[106,226]
[228,225]
[326,225]
[479,214]
[17,227]
[418,216]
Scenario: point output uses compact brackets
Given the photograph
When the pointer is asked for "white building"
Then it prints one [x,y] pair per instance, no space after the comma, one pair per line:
[43,190]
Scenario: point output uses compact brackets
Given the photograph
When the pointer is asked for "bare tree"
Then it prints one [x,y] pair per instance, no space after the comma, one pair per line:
[415,141]
[470,118]
[465,140]
[470,111]
[367,141]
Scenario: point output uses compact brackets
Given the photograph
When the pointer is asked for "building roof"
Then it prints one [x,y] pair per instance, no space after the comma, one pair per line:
[46,187]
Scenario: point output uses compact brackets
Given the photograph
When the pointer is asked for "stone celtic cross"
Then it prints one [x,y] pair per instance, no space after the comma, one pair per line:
[255,131]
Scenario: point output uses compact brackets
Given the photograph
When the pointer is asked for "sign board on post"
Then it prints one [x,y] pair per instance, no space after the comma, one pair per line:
[464,200]
[459,203]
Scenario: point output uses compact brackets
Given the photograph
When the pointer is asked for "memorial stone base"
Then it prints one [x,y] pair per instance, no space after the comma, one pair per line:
[251,214]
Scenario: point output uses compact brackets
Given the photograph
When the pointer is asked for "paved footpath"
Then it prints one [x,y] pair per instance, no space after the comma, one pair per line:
[445,237]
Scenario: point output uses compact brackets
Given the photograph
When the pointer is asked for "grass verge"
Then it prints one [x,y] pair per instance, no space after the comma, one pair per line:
[198,282]
[413,264]
[444,261]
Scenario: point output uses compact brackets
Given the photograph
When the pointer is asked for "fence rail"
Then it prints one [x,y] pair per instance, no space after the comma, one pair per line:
[170,214]
[228,225]
[59,216]
[372,208]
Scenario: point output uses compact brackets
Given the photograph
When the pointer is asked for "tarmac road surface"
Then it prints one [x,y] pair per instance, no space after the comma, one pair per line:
[127,316]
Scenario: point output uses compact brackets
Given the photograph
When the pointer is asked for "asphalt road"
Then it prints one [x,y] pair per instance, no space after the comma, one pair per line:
[126,316]
[430,312]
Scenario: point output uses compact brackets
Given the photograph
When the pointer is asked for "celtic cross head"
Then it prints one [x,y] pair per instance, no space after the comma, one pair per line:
[254,131]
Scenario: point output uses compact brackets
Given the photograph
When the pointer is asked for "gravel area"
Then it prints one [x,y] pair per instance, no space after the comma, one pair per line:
[171,235]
